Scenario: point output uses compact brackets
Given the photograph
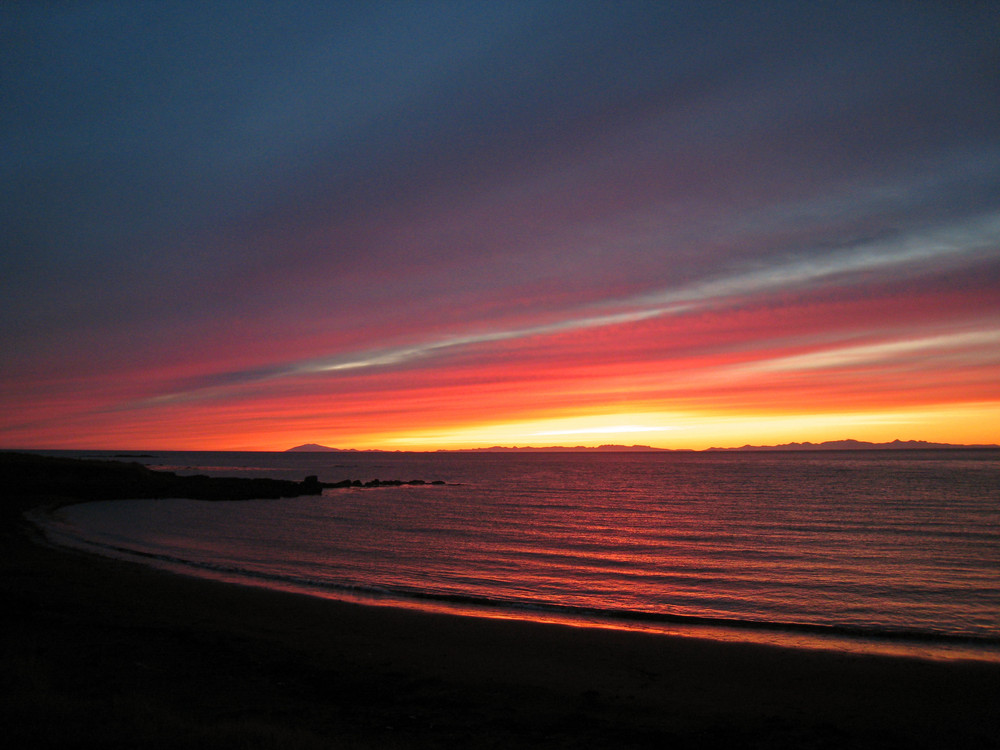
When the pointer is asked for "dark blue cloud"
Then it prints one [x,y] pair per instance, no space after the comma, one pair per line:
[194,164]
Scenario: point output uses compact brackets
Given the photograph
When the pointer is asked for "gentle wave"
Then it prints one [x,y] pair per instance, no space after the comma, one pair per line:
[838,637]
[888,549]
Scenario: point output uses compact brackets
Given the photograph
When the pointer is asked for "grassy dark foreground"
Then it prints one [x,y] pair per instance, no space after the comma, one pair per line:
[110,654]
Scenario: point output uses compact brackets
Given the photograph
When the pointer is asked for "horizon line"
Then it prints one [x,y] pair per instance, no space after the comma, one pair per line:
[806,445]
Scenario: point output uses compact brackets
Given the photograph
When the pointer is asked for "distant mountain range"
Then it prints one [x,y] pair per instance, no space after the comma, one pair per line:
[854,445]
[570,449]
[829,445]
[314,448]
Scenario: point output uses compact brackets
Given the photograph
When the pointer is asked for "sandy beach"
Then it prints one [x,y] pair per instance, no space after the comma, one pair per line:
[118,655]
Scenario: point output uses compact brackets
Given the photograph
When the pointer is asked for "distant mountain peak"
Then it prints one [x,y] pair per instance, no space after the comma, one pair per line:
[312,448]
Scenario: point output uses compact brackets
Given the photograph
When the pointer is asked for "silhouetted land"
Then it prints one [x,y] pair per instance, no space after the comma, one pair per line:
[859,445]
[28,474]
[114,655]
[830,445]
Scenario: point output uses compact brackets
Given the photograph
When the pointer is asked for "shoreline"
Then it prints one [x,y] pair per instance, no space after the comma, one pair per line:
[119,654]
[113,642]
[838,639]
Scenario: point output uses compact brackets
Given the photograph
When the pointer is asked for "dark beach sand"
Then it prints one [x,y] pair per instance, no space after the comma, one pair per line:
[111,654]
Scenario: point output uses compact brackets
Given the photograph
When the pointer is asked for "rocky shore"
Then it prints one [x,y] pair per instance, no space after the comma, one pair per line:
[32,475]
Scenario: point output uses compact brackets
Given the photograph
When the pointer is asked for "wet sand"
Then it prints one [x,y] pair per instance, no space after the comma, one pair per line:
[108,653]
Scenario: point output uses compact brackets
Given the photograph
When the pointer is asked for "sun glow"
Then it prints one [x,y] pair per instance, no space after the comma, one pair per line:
[698,430]
[585,430]
[613,430]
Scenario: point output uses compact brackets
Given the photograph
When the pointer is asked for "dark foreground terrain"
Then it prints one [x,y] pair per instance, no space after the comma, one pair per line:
[109,654]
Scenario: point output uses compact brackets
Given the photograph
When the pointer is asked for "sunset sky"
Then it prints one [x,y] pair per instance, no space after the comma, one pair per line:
[424,225]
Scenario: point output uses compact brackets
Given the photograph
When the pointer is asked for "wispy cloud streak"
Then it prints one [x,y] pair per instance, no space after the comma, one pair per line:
[915,254]
[369,219]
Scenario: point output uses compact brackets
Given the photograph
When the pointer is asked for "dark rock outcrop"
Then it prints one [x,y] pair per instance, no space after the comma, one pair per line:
[29,475]
[26,474]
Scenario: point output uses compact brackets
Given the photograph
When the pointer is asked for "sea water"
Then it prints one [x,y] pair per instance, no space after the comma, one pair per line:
[877,550]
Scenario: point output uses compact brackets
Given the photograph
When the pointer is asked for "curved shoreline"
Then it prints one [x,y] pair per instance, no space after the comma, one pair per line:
[844,639]
[934,644]
[121,654]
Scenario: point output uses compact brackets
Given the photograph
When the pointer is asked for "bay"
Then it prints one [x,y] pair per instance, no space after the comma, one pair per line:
[896,550]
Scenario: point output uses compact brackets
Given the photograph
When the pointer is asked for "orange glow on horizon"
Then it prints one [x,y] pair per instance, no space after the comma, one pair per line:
[967,424]
[760,376]
[517,228]
[958,424]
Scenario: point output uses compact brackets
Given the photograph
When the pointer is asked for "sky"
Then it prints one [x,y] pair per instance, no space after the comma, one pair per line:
[423,225]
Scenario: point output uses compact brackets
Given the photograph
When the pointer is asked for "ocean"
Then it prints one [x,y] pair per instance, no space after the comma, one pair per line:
[876,551]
